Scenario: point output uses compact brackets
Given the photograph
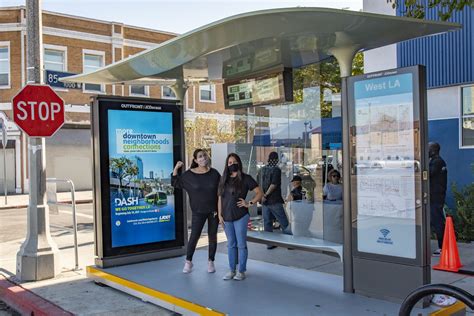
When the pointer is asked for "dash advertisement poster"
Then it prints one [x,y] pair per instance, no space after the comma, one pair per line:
[140,163]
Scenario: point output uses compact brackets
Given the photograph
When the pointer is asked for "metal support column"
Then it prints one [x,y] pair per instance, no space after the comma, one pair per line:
[38,257]
[344,56]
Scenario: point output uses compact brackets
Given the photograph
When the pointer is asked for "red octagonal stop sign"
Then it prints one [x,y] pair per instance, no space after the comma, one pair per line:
[38,110]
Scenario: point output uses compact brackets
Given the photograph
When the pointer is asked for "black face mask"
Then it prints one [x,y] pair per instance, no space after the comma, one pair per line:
[233,167]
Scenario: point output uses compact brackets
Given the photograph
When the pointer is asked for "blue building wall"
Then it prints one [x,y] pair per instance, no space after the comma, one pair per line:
[446,133]
[448,57]
[449,61]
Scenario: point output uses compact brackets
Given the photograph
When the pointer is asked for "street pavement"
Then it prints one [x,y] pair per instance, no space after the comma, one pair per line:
[74,292]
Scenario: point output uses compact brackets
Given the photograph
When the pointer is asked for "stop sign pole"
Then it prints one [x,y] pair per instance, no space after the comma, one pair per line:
[38,257]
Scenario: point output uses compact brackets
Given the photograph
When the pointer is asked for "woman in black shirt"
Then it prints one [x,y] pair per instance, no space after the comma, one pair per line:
[201,183]
[234,213]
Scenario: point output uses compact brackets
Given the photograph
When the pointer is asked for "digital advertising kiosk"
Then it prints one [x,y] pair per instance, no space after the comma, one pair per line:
[138,215]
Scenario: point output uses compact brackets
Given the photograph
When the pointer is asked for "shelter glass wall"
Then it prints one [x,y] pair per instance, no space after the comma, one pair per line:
[306,134]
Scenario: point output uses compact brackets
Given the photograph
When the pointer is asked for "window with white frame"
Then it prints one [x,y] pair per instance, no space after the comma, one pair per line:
[207,93]
[4,65]
[467,119]
[54,60]
[92,62]
[167,93]
[139,90]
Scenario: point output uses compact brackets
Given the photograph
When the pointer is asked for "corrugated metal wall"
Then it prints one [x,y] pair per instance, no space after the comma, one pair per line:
[449,57]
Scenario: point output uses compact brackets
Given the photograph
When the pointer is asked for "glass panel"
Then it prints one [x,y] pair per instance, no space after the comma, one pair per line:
[135,89]
[468,100]
[4,66]
[53,56]
[93,87]
[92,61]
[3,79]
[206,92]
[3,53]
[468,131]
[53,66]
[168,93]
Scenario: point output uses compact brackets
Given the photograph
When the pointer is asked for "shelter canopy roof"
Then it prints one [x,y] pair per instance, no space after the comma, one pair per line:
[249,43]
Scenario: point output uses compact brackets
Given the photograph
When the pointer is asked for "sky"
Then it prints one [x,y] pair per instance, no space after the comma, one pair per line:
[176,16]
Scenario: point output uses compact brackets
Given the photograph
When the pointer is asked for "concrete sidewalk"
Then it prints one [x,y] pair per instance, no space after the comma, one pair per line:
[22,200]
[75,293]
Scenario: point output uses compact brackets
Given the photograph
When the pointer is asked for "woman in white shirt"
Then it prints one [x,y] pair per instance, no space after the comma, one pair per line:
[332,191]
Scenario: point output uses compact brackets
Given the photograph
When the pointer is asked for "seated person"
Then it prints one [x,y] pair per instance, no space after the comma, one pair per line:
[297,193]
[332,191]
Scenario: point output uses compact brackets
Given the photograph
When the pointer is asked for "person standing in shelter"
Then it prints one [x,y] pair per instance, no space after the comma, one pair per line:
[297,193]
[269,178]
[234,213]
[332,191]
[438,186]
[201,182]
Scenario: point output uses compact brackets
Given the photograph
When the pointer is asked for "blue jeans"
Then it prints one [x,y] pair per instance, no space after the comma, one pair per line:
[236,233]
[278,212]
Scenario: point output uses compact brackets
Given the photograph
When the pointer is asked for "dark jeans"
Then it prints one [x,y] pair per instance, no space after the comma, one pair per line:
[438,221]
[197,223]
[274,211]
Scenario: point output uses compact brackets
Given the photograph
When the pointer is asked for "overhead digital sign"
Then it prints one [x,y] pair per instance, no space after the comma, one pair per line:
[271,88]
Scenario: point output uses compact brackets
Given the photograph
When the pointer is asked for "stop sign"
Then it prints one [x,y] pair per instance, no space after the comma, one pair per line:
[38,110]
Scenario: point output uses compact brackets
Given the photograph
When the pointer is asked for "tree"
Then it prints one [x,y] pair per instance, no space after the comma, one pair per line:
[121,168]
[327,76]
[417,9]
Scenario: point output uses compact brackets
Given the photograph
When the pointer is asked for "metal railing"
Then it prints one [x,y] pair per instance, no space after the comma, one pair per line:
[446,289]
[74,217]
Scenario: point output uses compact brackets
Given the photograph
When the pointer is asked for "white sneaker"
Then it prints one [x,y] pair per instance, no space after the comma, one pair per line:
[437,252]
[443,300]
[188,266]
[211,267]
[229,276]
[240,276]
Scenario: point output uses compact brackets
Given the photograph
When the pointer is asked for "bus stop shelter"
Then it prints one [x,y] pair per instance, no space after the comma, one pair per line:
[293,38]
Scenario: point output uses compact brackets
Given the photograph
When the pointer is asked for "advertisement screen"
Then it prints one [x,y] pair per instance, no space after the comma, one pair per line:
[140,163]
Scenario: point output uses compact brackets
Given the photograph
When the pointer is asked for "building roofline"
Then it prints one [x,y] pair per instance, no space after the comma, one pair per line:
[92,19]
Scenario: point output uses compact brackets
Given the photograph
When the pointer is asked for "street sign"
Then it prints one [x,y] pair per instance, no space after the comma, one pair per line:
[38,110]
[52,79]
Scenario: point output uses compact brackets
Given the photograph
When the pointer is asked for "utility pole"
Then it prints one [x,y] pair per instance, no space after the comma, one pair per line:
[38,258]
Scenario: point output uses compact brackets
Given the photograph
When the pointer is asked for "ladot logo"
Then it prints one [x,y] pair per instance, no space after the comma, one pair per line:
[165,218]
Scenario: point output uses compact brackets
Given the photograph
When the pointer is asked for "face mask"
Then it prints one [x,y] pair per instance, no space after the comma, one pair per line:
[202,161]
[233,168]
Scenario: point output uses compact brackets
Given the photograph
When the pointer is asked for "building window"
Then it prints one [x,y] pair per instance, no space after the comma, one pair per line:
[91,63]
[139,90]
[467,118]
[167,93]
[4,66]
[207,93]
[54,60]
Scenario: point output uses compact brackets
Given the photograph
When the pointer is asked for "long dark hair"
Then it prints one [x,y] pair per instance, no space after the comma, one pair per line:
[195,153]
[236,185]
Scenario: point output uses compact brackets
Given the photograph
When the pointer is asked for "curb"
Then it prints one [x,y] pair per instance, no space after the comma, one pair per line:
[26,302]
[9,207]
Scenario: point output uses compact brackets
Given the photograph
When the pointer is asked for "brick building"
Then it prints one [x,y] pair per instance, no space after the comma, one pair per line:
[75,45]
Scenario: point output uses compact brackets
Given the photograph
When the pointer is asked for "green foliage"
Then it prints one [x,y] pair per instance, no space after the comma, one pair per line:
[463,215]
[417,9]
[327,76]
[124,168]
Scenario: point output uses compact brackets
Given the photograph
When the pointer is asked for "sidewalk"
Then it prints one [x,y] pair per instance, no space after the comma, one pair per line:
[22,200]
[75,293]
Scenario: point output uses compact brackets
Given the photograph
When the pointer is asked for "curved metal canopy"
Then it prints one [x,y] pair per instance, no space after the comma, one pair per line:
[249,43]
